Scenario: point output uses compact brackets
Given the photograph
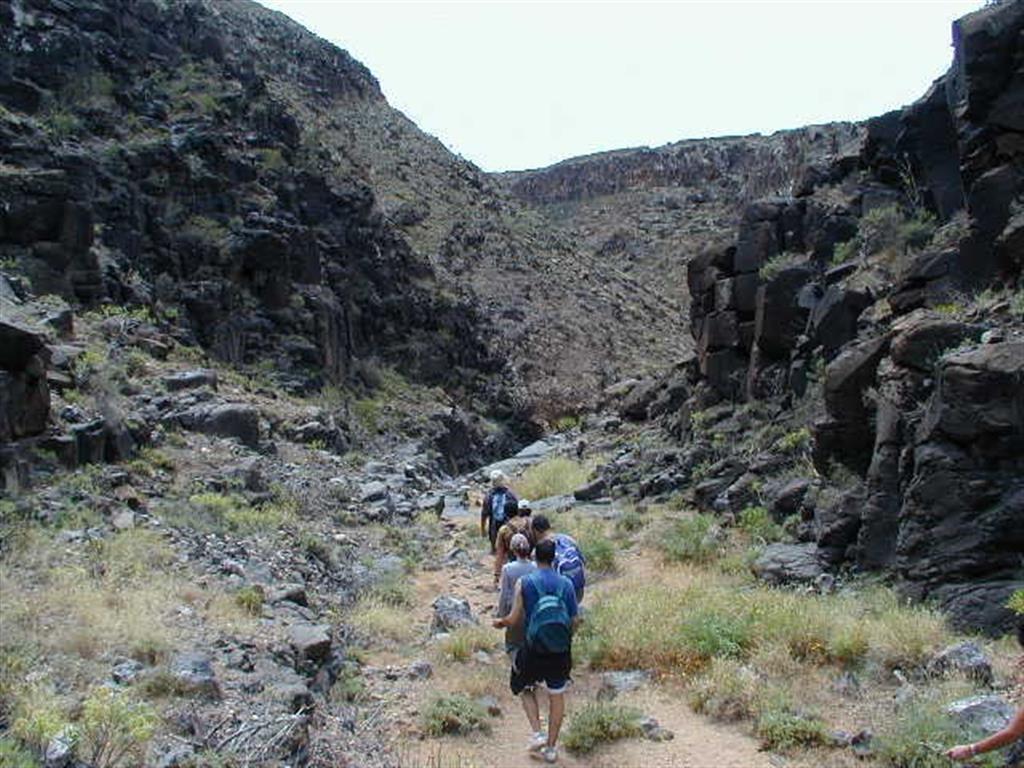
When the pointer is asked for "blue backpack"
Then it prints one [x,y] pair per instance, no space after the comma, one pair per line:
[499,505]
[569,561]
[550,628]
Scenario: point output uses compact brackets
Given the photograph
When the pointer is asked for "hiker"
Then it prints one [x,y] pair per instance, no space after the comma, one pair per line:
[520,565]
[1014,732]
[520,523]
[499,505]
[569,560]
[544,603]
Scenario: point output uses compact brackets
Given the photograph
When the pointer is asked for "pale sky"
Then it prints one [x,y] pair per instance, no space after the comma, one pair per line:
[514,85]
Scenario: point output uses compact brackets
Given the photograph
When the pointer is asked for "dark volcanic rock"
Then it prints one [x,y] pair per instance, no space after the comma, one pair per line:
[234,420]
[789,564]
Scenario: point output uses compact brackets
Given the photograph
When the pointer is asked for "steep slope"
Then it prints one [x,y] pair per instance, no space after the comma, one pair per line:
[226,132]
[646,210]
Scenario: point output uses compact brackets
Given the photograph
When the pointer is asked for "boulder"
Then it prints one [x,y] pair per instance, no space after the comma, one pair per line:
[757,242]
[636,404]
[194,673]
[176,382]
[966,658]
[375,490]
[311,642]
[847,436]
[788,564]
[921,340]
[231,420]
[595,489]
[450,613]
[615,683]
[786,500]
[833,321]
[780,315]
[979,395]
[986,714]
[837,525]
[979,605]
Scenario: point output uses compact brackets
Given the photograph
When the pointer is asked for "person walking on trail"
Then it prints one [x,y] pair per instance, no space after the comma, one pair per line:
[518,524]
[1011,734]
[499,505]
[521,565]
[544,604]
[569,560]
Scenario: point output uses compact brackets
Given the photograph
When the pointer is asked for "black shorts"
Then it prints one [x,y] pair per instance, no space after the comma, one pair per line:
[530,668]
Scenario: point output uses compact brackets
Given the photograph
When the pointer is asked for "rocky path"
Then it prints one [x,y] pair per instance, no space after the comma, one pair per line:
[697,742]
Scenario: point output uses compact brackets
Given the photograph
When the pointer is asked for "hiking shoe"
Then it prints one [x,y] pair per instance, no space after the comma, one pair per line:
[547,754]
[538,741]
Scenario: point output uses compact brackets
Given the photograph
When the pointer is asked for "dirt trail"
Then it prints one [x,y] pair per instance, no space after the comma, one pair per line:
[698,742]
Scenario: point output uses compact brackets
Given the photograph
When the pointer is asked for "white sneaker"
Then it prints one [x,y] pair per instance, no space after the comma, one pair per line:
[550,754]
[538,741]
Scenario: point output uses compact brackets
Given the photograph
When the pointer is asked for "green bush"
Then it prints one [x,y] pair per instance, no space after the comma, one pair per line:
[453,714]
[600,723]
[777,264]
[691,540]
[114,730]
[231,511]
[758,524]
[13,756]
[844,252]
[797,440]
[710,633]
[781,730]
[1016,602]
[250,599]
[39,716]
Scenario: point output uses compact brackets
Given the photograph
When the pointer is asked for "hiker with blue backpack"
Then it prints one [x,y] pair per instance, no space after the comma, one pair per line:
[569,560]
[544,604]
[499,505]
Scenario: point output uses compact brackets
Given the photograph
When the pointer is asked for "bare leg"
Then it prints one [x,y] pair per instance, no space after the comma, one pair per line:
[556,705]
[529,699]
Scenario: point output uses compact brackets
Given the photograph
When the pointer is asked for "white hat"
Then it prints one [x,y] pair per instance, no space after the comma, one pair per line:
[498,477]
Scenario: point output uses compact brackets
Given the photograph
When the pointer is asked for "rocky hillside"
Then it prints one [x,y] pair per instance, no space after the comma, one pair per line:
[878,313]
[215,161]
[646,210]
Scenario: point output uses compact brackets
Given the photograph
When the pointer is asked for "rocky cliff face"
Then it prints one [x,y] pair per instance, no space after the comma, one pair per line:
[248,182]
[853,306]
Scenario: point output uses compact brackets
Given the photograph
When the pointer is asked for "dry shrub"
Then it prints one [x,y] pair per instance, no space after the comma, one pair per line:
[377,619]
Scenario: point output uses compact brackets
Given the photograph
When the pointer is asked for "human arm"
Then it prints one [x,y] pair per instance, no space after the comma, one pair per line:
[1009,734]
[569,595]
[515,616]
[500,553]
[505,597]
[485,514]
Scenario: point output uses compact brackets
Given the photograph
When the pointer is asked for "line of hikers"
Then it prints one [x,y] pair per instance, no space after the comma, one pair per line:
[541,576]
[538,605]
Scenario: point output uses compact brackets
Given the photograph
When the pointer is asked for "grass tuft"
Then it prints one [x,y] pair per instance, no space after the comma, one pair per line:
[552,477]
[693,540]
[461,644]
[600,723]
[453,714]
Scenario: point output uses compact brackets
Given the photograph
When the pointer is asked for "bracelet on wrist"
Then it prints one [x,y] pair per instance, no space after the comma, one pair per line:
[972,750]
